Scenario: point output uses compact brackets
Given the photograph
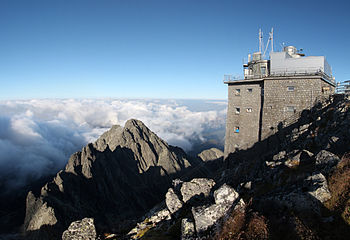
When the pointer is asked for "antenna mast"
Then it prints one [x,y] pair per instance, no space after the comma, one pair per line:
[260,39]
[271,37]
[268,42]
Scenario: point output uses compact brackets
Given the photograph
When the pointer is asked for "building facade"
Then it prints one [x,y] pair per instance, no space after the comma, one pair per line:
[271,92]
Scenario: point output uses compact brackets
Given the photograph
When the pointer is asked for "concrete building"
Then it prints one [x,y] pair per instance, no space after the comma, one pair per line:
[271,92]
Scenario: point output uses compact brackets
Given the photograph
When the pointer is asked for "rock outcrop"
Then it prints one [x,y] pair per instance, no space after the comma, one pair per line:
[206,216]
[80,230]
[211,154]
[124,173]
[199,209]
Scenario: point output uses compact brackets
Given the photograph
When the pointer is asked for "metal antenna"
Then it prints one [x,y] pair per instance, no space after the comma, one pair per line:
[260,39]
[271,37]
[268,41]
[267,45]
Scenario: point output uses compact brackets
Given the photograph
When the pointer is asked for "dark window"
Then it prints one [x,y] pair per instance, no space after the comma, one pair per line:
[249,110]
[236,129]
[290,88]
[238,110]
[250,90]
[290,109]
[238,91]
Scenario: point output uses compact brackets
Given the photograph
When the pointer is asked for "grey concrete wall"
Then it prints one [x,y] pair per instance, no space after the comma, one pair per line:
[247,121]
[279,100]
[278,104]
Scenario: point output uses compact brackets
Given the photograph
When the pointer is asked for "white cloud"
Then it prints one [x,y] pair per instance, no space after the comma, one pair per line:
[38,136]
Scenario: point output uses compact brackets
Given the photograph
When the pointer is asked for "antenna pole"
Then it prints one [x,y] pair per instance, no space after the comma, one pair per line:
[260,39]
[267,45]
[271,37]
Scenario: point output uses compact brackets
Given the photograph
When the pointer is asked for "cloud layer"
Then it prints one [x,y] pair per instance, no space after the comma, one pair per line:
[38,136]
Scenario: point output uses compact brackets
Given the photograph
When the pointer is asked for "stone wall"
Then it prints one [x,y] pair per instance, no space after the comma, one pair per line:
[284,97]
[273,102]
[246,118]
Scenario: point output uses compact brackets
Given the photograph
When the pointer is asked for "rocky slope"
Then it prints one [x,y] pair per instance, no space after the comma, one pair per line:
[293,185]
[123,174]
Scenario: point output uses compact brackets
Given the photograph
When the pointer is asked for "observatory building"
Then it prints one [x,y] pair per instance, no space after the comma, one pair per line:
[271,92]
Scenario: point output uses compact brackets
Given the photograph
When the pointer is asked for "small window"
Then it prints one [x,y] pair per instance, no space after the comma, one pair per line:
[250,90]
[236,129]
[249,110]
[290,109]
[290,88]
[263,70]
[238,91]
[325,89]
[238,110]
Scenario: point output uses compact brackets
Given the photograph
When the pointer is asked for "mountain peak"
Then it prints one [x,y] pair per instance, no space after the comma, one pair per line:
[127,169]
[134,123]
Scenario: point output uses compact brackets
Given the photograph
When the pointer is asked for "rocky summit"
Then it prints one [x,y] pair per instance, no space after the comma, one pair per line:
[292,185]
[121,175]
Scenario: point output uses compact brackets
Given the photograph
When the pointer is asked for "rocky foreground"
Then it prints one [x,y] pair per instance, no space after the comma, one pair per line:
[293,185]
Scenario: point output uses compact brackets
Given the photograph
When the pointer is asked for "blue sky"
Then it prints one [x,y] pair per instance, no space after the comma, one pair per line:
[154,49]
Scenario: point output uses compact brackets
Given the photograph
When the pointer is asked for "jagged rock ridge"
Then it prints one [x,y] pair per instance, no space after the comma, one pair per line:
[122,174]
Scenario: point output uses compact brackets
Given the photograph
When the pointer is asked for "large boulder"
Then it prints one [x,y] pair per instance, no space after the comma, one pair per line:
[317,187]
[325,161]
[206,216]
[196,187]
[225,195]
[308,198]
[80,230]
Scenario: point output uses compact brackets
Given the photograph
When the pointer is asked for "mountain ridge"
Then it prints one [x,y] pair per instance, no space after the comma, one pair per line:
[126,169]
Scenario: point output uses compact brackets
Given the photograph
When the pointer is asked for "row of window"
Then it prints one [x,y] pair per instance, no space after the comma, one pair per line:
[238,91]
[248,110]
[250,90]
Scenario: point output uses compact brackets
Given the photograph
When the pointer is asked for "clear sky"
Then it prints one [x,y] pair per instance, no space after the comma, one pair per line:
[154,48]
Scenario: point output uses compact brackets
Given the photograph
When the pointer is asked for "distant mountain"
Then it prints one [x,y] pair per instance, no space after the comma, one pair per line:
[123,174]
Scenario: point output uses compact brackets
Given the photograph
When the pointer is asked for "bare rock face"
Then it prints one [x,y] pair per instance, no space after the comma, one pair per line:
[41,214]
[211,154]
[225,195]
[318,187]
[195,187]
[124,173]
[80,230]
[172,201]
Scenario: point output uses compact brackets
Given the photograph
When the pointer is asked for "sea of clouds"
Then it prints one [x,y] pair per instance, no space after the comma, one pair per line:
[38,136]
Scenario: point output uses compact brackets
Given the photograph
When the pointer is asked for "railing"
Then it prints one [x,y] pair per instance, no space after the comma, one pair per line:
[232,78]
[282,72]
[343,87]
